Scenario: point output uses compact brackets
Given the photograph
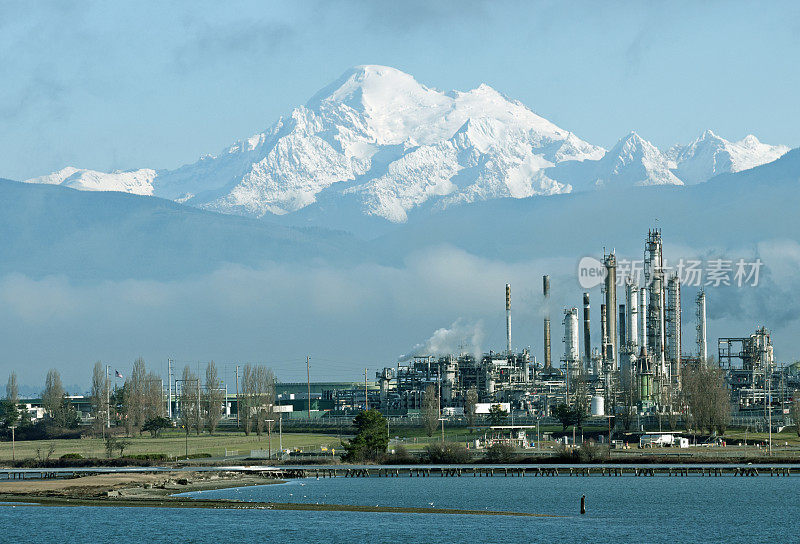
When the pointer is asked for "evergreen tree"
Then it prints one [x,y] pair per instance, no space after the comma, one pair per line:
[371,438]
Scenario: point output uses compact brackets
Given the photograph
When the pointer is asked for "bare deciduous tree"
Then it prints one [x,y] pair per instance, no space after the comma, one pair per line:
[214,397]
[9,411]
[258,397]
[53,394]
[247,398]
[430,410]
[55,401]
[99,397]
[629,393]
[143,396]
[133,397]
[796,413]
[12,389]
[265,397]
[190,400]
[471,405]
[707,398]
[153,397]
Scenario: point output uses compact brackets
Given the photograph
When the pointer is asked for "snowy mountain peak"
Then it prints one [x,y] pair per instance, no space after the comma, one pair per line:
[376,142]
[139,182]
[378,136]
[709,134]
[634,161]
[711,155]
[376,88]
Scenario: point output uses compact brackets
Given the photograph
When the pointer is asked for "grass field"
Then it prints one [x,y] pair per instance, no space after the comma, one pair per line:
[173,444]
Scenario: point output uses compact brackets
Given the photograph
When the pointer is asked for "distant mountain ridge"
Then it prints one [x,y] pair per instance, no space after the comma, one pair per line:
[93,236]
[376,143]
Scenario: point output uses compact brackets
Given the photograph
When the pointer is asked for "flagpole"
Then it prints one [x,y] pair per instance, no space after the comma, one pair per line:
[108,400]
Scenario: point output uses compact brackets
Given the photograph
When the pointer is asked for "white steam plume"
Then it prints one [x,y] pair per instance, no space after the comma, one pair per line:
[462,335]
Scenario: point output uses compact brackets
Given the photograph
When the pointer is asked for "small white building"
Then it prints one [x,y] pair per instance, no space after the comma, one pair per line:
[35,412]
[485,407]
[663,439]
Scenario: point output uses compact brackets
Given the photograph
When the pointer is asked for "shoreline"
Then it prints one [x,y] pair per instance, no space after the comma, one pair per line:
[226,504]
[139,491]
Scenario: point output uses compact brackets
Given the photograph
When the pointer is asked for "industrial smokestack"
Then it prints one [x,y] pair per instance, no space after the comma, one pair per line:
[571,354]
[654,278]
[702,345]
[508,319]
[632,321]
[546,293]
[611,306]
[643,319]
[623,330]
[603,333]
[587,332]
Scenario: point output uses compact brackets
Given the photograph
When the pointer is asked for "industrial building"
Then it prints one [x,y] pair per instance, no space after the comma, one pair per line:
[640,358]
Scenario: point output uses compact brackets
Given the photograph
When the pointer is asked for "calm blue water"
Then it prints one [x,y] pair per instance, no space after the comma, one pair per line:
[625,509]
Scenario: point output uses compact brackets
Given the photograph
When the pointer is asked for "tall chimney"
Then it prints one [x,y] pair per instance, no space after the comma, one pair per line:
[612,340]
[702,345]
[587,332]
[546,293]
[603,333]
[508,319]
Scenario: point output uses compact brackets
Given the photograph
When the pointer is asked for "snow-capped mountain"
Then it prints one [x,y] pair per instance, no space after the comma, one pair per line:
[378,137]
[376,143]
[711,155]
[392,144]
[632,162]
[138,182]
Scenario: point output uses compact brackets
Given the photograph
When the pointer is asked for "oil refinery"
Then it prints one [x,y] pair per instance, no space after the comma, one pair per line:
[639,363]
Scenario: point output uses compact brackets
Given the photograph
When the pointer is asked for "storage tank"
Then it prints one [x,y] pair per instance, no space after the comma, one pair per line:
[646,387]
[597,406]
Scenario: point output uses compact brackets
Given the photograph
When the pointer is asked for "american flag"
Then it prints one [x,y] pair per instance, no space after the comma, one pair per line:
[118,374]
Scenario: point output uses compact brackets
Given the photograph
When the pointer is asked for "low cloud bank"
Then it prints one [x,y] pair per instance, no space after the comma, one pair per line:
[347,318]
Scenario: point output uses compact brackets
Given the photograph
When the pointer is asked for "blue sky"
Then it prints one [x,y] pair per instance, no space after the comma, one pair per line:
[109,85]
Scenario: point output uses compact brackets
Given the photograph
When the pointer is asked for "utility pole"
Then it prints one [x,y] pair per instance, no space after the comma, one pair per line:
[769,416]
[308,382]
[439,398]
[269,438]
[13,449]
[366,393]
[237,396]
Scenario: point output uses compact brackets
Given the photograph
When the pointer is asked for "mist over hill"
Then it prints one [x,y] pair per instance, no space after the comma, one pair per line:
[112,276]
